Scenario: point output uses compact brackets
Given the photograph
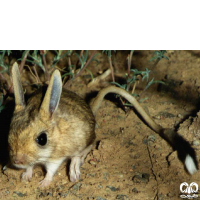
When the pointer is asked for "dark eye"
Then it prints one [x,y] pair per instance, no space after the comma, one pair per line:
[42,139]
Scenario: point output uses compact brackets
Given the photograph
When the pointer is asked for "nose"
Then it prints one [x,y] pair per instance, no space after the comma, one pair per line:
[19,159]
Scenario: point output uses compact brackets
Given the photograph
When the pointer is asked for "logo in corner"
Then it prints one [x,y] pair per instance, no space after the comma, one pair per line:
[189,190]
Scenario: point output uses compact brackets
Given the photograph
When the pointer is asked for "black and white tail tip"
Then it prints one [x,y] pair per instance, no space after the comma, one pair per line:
[190,164]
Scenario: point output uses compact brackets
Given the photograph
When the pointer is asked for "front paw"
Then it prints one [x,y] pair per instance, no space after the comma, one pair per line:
[27,176]
[74,174]
[44,183]
[74,170]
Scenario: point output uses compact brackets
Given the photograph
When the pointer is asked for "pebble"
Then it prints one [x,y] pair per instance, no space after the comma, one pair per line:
[77,186]
[157,117]
[141,178]
[136,156]
[133,166]
[100,198]
[151,138]
[19,194]
[112,188]
[145,141]
[135,190]
[7,192]
[122,197]
[180,116]
[165,115]
[92,162]
[196,143]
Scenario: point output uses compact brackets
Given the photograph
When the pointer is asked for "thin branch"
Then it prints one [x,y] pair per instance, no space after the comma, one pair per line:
[81,71]
[32,72]
[23,61]
[136,82]
[45,66]
[129,62]
[69,64]
[43,54]
[111,68]
[36,74]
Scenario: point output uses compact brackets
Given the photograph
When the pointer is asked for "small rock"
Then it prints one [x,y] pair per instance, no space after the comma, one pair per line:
[162,115]
[146,176]
[122,197]
[65,194]
[7,192]
[157,117]
[100,198]
[170,194]
[120,175]
[166,114]
[136,156]
[77,186]
[196,143]
[145,141]
[133,167]
[141,178]
[112,188]
[105,175]
[92,162]
[19,194]
[91,175]
[135,190]
[151,138]
[180,116]
[45,194]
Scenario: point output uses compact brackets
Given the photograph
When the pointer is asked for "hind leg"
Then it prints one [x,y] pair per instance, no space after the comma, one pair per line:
[76,162]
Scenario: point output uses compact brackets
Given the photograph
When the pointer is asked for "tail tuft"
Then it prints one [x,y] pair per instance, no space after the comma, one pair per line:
[190,164]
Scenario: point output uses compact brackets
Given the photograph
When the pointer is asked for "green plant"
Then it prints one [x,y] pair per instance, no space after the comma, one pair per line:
[59,56]
[158,56]
[3,64]
[38,58]
[108,53]
[71,71]
[85,61]
[133,78]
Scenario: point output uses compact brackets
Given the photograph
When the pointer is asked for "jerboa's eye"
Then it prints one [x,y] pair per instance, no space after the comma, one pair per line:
[42,139]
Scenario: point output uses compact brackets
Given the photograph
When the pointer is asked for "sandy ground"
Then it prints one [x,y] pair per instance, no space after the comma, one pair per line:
[129,161]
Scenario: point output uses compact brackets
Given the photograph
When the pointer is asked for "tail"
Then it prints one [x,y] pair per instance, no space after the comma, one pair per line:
[185,152]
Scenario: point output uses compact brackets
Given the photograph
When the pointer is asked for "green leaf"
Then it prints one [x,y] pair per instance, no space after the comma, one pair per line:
[79,58]
[141,100]
[90,73]
[66,74]
[121,86]
[107,52]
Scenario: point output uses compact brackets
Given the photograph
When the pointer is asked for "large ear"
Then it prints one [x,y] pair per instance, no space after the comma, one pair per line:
[52,96]
[18,90]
